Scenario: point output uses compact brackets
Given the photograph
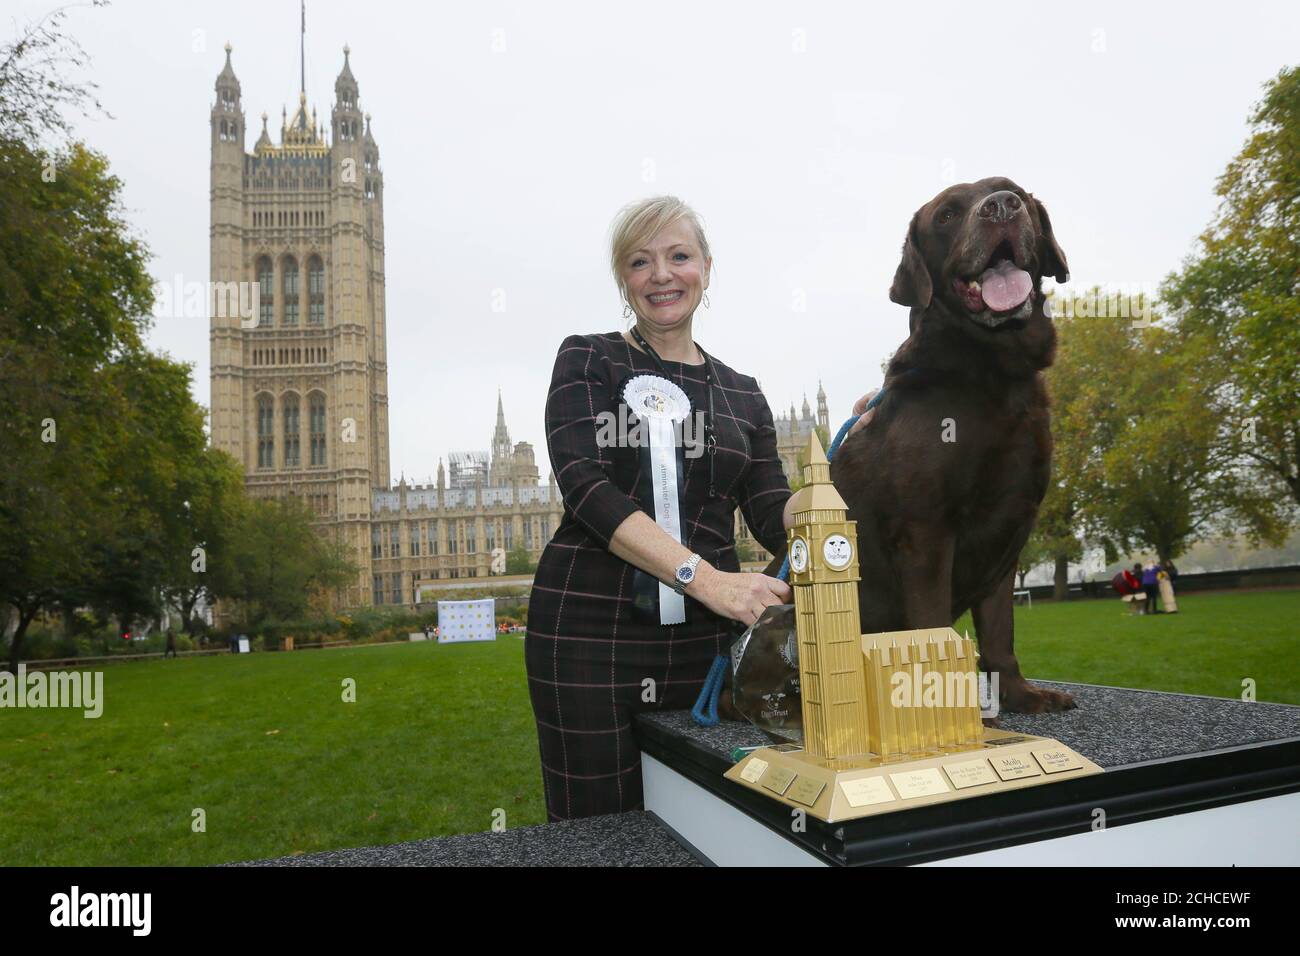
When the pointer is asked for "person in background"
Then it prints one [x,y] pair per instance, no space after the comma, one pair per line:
[1165,581]
[1128,585]
[1151,586]
[171,645]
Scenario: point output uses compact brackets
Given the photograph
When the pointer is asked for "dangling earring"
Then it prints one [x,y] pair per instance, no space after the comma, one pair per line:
[706,300]
[627,310]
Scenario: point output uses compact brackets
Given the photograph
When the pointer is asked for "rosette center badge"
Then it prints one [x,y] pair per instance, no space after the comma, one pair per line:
[656,398]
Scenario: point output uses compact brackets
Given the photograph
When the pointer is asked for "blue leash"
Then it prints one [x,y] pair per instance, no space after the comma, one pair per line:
[705,711]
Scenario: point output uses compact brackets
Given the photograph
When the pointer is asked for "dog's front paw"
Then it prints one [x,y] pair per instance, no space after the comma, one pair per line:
[1025,698]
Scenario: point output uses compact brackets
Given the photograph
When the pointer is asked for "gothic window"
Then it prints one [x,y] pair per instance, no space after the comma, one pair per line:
[291,440]
[379,589]
[528,534]
[370,189]
[370,162]
[431,537]
[376,549]
[469,539]
[491,535]
[265,432]
[415,540]
[265,293]
[510,535]
[317,425]
[290,286]
[316,291]
[394,542]
[397,588]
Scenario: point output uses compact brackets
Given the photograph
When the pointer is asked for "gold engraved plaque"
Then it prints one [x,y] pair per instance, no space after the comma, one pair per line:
[753,770]
[866,791]
[918,783]
[806,790]
[778,779]
[1053,760]
[1014,766]
[970,773]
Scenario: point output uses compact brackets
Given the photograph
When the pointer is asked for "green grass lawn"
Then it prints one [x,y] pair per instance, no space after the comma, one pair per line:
[1209,647]
[441,737]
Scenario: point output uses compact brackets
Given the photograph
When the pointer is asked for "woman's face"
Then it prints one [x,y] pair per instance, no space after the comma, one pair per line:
[666,279]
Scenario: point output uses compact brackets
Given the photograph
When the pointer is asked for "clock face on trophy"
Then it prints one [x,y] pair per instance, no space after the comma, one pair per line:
[837,551]
[798,555]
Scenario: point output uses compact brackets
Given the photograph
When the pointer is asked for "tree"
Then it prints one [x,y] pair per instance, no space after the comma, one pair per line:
[73,295]
[1077,385]
[34,95]
[1155,470]
[1240,291]
[519,561]
[214,505]
[106,484]
[280,562]
[1142,457]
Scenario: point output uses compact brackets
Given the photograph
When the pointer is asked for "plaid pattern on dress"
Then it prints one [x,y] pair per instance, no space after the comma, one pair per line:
[592,663]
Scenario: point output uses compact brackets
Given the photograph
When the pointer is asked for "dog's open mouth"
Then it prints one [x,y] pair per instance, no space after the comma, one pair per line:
[1000,292]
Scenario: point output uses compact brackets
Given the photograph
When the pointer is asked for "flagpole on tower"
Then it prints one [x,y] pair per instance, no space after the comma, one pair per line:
[302,50]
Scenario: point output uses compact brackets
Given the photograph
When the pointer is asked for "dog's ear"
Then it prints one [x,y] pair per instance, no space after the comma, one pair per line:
[912,286]
[1053,260]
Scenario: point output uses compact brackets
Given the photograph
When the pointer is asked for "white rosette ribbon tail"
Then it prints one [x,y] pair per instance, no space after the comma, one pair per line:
[662,406]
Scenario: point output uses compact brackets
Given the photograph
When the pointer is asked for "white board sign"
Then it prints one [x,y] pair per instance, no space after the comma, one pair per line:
[467,621]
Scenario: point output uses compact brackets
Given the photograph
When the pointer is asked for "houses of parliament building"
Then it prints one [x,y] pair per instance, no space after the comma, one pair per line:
[300,391]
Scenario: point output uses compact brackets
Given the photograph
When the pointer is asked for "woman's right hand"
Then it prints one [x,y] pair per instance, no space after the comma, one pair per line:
[741,596]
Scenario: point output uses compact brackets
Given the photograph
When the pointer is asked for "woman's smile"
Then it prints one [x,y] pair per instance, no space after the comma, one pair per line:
[658,299]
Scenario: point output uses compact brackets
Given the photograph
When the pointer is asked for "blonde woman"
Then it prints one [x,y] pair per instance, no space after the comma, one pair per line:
[654,443]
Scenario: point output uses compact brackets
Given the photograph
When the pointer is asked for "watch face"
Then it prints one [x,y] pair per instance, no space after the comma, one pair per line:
[837,551]
[798,555]
[686,575]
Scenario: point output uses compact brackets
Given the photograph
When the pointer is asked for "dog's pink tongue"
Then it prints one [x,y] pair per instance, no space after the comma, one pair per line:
[1004,286]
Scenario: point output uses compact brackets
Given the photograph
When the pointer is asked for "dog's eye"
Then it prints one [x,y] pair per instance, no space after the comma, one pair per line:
[946,214]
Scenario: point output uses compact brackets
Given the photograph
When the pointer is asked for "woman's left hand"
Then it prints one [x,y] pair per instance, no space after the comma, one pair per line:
[860,409]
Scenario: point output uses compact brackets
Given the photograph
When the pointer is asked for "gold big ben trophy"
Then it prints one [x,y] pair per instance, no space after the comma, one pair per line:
[890,721]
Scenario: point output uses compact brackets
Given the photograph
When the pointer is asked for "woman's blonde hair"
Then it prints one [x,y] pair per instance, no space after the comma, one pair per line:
[639,222]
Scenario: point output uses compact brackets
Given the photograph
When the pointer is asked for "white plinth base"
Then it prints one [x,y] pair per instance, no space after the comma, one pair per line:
[1254,833]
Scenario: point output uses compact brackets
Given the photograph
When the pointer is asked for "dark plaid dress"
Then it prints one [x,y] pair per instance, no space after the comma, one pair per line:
[590,657]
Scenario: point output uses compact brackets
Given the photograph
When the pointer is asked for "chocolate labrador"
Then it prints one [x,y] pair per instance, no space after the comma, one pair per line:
[945,480]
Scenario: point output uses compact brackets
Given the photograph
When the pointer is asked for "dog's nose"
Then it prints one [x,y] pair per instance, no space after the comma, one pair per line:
[1001,206]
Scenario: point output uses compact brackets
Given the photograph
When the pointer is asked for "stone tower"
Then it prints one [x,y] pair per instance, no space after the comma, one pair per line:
[300,390]
[824,575]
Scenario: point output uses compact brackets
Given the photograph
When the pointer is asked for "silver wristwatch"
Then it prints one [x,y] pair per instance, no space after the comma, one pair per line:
[685,573]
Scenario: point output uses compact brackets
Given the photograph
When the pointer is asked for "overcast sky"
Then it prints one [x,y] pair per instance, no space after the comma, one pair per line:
[805,134]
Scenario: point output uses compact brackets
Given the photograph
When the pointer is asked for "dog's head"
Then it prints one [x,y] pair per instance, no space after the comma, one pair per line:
[979,251]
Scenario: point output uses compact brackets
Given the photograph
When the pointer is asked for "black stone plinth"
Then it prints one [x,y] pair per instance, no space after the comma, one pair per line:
[1163,754]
